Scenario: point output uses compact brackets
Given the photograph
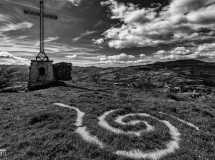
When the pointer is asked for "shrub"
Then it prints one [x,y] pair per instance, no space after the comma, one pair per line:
[144,83]
[95,77]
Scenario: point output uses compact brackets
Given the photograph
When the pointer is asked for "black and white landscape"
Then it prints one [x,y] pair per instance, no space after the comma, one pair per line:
[142,82]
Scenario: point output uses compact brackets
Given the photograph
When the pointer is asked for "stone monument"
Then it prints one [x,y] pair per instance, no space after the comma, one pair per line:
[41,70]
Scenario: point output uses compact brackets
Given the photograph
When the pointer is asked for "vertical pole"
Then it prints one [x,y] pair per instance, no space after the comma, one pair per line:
[42,56]
[41,28]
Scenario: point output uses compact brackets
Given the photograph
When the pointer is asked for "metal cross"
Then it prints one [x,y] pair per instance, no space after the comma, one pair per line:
[42,56]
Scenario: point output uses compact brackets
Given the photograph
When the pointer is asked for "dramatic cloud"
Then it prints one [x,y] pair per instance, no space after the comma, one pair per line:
[179,21]
[10,59]
[176,29]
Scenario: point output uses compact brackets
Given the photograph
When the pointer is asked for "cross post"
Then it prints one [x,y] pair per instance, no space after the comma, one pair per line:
[41,56]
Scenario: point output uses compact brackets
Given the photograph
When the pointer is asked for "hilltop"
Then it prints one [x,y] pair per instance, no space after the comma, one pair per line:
[159,111]
[186,75]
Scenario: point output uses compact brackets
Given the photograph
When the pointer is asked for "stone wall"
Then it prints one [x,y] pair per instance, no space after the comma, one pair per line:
[62,71]
[41,74]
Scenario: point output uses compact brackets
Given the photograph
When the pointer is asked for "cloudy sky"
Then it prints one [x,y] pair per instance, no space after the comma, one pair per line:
[109,32]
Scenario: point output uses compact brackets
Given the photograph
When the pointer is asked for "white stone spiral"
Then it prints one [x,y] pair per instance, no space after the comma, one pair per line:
[104,124]
[171,146]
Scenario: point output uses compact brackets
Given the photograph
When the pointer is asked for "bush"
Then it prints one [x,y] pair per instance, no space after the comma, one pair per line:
[95,77]
[144,83]
[209,82]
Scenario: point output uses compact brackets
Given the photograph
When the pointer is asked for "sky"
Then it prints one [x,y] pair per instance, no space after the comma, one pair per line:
[109,33]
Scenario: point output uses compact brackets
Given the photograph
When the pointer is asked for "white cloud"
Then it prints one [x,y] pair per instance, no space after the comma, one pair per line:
[180,51]
[13,27]
[75,2]
[49,39]
[161,55]
[19,48]
[161,52]
[101,58]
[180,20]
[25,46]
[71,56]
[87,33]
[142,55]
[176,53]
[63,3]
[5,18]
[22,37]
[98,41]
[112,63]
[183,6]
[119,57]
[115,59]
[206,50]
[98,23]
[10,59]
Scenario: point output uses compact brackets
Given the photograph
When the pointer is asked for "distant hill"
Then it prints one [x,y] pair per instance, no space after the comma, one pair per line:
[178,63]
[182,61]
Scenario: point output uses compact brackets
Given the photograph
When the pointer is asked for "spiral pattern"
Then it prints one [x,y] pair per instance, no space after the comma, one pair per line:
[170,146]
[103,123]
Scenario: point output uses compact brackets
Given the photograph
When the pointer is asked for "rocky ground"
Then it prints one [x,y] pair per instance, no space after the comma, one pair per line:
[191,78]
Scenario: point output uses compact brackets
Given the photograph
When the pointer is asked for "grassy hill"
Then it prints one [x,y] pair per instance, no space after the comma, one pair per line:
[99,121]
[32,127]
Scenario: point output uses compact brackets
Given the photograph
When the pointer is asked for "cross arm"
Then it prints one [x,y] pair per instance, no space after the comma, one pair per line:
[52,17]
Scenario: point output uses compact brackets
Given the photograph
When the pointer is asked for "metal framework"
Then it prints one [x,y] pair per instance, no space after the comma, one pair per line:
[41,56]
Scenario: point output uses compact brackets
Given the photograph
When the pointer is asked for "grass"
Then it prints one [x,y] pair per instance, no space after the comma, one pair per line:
[33,128]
